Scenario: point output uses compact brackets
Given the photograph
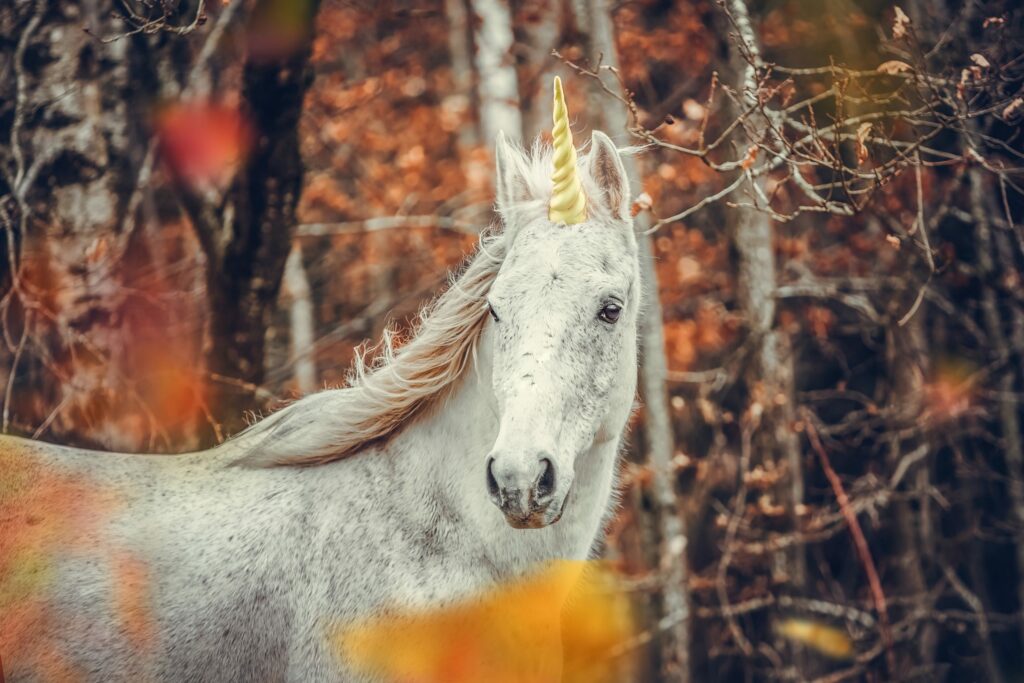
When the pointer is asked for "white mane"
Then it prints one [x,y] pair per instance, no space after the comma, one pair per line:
[397,385]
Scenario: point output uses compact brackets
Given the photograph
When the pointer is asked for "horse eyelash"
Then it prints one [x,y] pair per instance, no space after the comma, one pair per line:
[494,315]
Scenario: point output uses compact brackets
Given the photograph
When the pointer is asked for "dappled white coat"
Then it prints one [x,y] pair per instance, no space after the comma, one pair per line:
[249,562]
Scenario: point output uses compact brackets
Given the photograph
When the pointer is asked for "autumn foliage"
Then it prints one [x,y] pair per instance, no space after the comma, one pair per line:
[879,147]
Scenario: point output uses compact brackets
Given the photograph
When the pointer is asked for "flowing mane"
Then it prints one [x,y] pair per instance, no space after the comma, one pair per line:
[387,393]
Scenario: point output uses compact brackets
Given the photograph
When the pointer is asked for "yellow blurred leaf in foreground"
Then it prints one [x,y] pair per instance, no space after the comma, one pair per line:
[560,624]
[828,640]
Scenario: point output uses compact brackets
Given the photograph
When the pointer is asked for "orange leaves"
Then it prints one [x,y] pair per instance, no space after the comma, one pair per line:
[708,331]
[820,320]
[680,41]
[560,624]
[749,158]
[324,192]
[52,521]
[203,143]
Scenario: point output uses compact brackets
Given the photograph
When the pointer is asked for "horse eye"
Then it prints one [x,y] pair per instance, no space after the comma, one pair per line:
[494,315]
[610,313]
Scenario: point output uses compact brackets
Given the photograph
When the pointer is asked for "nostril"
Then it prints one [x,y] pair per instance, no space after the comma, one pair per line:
[546,483]
[492,483]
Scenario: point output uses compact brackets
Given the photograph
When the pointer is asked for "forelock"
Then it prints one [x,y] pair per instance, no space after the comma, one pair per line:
[536,165]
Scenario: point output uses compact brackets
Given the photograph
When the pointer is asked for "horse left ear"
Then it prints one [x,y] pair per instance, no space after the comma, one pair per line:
[610,175]
[510,181]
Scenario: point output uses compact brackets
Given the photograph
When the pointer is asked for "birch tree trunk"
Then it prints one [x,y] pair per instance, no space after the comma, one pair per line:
[70,160]
[497,84]
[768,375]
[301,321]
[460,52]
[674,622]
[537,34]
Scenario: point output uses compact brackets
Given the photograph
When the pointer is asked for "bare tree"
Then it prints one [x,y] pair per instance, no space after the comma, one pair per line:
[72,157]
[537,28]
[674,622]
[497,85]
[301,321]
[769,415]
[460,52]
[246,232]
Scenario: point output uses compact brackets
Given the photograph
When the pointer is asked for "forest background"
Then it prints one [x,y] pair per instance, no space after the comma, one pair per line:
[207,206]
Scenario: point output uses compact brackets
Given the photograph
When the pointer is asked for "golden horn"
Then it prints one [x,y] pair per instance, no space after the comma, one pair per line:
[568,204]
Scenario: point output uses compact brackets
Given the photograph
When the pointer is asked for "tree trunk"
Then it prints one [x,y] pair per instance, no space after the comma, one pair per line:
[768,375]
[537,31]
[1008,416]
[674,633]
[301,321]
[460,52]
[70,164]
[497,86]
[247,237]
[907,359]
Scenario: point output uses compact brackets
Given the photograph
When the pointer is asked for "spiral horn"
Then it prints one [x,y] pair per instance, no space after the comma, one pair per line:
[568,203]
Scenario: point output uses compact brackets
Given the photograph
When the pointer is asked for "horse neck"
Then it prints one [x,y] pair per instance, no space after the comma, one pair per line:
[447,451]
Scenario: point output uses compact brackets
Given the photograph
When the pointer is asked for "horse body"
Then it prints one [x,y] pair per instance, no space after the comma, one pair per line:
[246,570]
[214,566]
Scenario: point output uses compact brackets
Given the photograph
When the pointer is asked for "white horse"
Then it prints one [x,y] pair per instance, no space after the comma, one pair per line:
[483,446]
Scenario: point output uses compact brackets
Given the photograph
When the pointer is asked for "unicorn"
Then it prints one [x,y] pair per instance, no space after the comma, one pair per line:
[483,446]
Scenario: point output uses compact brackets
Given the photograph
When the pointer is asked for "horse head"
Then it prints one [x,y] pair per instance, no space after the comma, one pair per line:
[563,330]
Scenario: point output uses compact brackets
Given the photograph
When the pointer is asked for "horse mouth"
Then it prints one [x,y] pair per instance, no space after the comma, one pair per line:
[536,518]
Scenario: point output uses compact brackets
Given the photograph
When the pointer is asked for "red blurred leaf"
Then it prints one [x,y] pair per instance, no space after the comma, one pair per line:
[202,142]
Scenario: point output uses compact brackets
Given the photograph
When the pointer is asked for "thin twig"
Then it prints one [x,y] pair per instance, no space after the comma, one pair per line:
[14,371]
[859,540]
[919,226]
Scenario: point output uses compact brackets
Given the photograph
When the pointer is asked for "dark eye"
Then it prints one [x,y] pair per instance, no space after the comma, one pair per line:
[494,315]
[610,313]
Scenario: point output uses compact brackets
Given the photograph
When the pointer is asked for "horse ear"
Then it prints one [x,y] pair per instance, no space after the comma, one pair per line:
[510,174]
[610,175]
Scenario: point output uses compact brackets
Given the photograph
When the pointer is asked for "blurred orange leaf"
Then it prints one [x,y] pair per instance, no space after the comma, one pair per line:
[202,142]
[827,640]
[518,632]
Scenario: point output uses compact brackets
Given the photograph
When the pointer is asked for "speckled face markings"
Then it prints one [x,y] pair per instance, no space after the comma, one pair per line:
[556,362]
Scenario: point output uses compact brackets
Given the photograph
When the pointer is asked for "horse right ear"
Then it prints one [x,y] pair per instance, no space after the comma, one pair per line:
[511,186]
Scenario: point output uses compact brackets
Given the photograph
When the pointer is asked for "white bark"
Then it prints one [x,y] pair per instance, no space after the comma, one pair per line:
[498,88]
[73,120]
[538,38]
[460,52]
[769,375]
[300,316]
[751,233]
